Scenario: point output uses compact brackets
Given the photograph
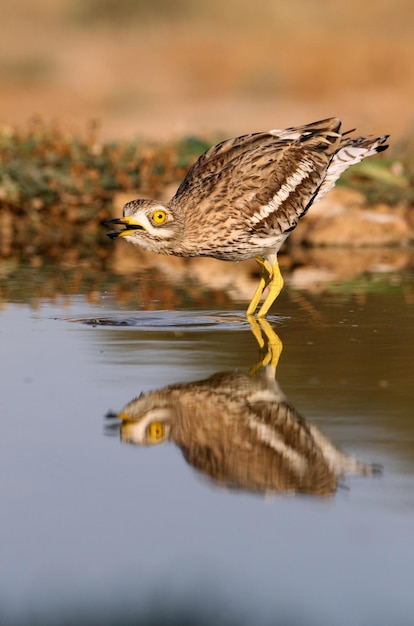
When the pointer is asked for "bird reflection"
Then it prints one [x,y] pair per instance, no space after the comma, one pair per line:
[239,429]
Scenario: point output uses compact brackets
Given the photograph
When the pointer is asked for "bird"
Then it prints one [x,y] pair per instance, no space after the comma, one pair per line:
[240,431]
[243,197]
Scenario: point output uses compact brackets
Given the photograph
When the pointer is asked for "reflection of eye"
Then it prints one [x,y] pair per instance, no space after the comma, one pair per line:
[159,217]
[156,431]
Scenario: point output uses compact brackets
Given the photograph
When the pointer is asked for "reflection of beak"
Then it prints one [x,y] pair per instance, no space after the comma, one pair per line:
[127,432]
[129,223]
[125,417]
[127,429]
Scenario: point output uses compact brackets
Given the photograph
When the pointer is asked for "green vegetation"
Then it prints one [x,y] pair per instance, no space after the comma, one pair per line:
[57,187]
[46,166]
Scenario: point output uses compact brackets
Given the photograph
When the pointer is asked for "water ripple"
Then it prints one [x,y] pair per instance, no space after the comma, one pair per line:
[174,320]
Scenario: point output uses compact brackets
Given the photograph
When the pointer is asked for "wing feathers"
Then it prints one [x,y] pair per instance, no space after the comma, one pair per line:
[267,181]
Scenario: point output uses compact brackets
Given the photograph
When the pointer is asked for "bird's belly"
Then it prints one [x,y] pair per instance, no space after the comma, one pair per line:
[243,250]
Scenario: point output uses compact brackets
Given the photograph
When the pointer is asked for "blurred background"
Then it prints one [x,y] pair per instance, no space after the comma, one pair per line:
[163,68]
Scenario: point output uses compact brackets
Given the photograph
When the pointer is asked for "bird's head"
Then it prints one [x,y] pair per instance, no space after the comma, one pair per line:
[147,419]
[149,224]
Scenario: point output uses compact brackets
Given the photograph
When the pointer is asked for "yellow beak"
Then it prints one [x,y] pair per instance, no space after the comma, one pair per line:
[130,225]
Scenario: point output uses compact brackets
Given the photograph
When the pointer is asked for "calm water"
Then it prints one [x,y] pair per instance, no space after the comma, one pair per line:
[228,516]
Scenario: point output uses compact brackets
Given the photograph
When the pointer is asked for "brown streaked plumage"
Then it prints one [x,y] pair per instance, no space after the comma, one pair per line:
[243,197]
[242,432]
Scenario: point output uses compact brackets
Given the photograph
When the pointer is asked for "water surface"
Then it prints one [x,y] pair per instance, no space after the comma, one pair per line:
[92,525]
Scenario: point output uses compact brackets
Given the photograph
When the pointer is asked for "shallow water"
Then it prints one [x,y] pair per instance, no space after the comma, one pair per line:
[96,527]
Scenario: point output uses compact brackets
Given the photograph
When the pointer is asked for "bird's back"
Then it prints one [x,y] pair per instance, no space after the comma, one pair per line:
[242,158]
[243,196]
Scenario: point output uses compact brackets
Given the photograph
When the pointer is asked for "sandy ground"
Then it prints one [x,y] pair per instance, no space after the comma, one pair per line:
[189,68]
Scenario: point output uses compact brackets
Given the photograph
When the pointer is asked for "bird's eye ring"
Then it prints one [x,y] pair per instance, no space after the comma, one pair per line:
[159,217]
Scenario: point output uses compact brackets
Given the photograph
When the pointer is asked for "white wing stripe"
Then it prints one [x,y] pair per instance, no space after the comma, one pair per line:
[271,438]
[305,167]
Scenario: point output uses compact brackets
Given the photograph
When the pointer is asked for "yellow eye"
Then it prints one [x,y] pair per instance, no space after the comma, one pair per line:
[156,431]
[159,217]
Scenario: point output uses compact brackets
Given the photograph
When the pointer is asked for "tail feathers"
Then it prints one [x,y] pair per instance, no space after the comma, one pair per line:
[351,151]
[371,144]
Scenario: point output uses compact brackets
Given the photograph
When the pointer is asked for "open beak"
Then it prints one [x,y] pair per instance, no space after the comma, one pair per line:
[129,226]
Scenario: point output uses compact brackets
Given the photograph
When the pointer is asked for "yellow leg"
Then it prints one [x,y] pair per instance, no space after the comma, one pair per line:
[265,276]
[271,277]
[274,344]
[269,343]
[275,287]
